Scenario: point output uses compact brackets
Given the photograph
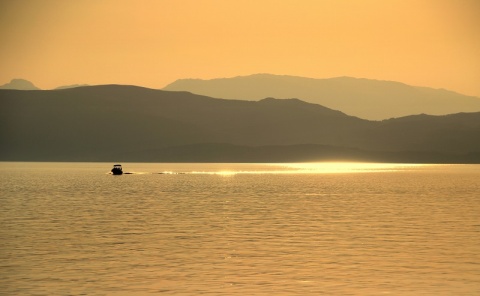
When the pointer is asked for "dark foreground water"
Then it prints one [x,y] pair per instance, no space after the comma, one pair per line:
[239,229]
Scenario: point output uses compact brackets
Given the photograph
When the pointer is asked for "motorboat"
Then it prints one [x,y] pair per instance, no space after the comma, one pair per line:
[117,169]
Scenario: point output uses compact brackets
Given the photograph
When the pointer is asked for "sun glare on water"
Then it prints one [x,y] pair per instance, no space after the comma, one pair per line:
[348,167]
[314,168]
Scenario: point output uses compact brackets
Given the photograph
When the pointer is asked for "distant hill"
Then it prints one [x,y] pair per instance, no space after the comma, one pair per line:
[20,84]
[128,123]
[364,98]
[71,86]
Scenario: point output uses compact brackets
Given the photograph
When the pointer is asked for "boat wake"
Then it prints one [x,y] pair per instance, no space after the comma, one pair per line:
[152,173]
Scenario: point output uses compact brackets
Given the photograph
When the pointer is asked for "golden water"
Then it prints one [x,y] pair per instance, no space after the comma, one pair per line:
[239,229]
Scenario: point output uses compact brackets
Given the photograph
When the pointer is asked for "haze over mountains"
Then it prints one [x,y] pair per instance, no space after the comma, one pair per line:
[364,98]
[128,123]
[20,84]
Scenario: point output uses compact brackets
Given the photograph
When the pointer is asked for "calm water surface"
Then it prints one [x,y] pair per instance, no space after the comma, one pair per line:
[239,229]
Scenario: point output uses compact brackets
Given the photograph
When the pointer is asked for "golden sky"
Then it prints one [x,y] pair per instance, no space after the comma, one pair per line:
[151,43]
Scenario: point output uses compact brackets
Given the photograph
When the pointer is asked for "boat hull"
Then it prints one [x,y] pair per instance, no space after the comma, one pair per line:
[117,172]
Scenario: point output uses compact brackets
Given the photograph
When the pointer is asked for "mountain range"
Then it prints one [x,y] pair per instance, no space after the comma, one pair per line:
[364,98]
[20,84]
[129,123]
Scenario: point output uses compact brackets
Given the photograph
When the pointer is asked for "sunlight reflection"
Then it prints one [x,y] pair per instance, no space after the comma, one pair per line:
[226,173]
[317,168]
[349,167]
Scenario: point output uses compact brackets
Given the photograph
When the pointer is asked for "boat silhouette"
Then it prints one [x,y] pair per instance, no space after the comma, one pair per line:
[117,169]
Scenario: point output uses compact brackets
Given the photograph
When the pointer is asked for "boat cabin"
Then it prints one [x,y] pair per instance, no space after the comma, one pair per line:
[117,169]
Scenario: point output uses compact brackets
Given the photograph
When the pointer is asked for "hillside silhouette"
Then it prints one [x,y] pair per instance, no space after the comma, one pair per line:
[71,86]
[129,123]
[20,84]
[364,98]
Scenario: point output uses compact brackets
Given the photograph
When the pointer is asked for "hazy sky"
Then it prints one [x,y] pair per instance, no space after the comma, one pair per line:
[431,43]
